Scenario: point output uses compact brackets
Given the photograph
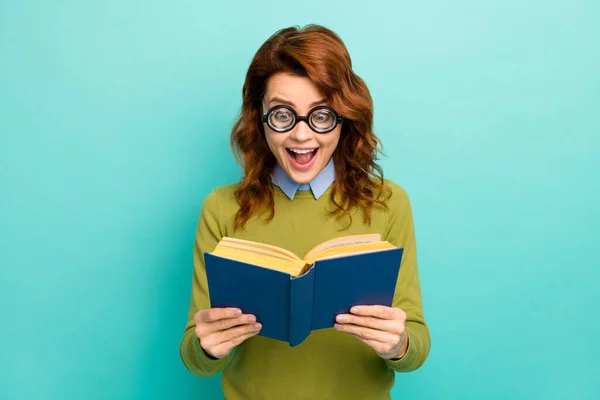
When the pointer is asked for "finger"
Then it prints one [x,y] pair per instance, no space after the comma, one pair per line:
[224,348]
[231,334]
[379,347]
[382,312]
[368,333]
[386,325]
[205,328]
[215,314]
[227,323]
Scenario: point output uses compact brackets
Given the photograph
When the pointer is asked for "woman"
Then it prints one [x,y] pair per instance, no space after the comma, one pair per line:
[305,140]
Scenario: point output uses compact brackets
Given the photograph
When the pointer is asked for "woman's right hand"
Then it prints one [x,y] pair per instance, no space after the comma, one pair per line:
[221,329]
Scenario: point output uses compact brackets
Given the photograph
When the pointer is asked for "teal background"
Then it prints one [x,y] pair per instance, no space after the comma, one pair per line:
[114,125]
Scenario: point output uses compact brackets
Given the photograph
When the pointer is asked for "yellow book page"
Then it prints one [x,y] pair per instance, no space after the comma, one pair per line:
[347,250]
[259,259]
[265,247]
[256,250]
[343,241]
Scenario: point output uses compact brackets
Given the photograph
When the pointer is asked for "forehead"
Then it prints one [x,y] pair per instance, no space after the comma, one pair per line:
[300,91]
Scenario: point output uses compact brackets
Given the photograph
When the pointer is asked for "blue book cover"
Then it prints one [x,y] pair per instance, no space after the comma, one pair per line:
[290,307]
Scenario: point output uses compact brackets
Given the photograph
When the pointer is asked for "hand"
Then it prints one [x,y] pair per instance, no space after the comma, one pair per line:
[221,329]
[381,328]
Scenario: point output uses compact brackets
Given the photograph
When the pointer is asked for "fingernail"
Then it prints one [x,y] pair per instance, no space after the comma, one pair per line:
[337,326]
[340,318]
[256,326]
[251,318]
[354,310]
[237,313]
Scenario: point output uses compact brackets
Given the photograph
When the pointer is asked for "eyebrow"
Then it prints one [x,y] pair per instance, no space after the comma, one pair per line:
[289,103]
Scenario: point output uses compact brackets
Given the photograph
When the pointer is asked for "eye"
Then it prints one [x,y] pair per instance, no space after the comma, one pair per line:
[322,117]
[282,115]
[281,118]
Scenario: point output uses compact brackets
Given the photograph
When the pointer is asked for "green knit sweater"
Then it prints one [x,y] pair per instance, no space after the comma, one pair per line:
[329,364]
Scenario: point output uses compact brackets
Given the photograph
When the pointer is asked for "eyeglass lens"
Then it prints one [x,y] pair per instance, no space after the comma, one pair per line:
[320,119]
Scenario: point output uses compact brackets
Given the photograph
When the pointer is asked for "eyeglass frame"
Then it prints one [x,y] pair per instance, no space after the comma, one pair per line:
[297,118]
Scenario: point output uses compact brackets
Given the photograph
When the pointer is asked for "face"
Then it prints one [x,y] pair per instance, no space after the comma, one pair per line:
[301,152]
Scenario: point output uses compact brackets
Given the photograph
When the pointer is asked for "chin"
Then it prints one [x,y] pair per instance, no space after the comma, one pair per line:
[305,177]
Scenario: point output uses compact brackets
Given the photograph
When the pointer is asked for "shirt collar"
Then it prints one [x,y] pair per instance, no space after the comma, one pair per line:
[318,185]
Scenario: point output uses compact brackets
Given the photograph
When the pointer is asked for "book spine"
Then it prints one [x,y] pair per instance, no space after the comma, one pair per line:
[301,306]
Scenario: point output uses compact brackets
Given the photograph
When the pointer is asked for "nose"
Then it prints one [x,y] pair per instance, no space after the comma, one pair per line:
[301,132]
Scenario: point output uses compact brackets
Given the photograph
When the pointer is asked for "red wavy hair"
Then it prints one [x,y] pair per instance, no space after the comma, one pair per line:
[319,54]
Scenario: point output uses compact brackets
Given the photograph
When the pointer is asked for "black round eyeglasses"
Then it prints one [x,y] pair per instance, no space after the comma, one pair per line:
[321,119]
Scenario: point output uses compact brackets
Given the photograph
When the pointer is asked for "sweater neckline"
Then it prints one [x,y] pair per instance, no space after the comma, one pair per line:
[303,194]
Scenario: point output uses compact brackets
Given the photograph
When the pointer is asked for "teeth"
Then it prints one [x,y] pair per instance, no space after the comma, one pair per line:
[298,151]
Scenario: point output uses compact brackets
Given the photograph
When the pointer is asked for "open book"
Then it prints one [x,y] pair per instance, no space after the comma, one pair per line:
[292,296]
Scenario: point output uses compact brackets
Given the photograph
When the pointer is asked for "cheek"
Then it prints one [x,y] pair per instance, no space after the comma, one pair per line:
[331,141]
[273,141]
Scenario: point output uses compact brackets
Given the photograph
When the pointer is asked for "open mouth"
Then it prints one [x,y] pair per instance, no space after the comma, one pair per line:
[302,158]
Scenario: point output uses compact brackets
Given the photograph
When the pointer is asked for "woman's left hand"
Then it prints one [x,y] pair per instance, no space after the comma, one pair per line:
[380,327]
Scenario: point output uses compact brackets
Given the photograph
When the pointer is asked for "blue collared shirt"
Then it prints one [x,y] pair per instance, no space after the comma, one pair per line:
[318,185]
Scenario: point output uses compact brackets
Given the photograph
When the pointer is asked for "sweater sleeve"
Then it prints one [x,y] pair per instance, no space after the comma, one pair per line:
[208,234]
[407,297]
